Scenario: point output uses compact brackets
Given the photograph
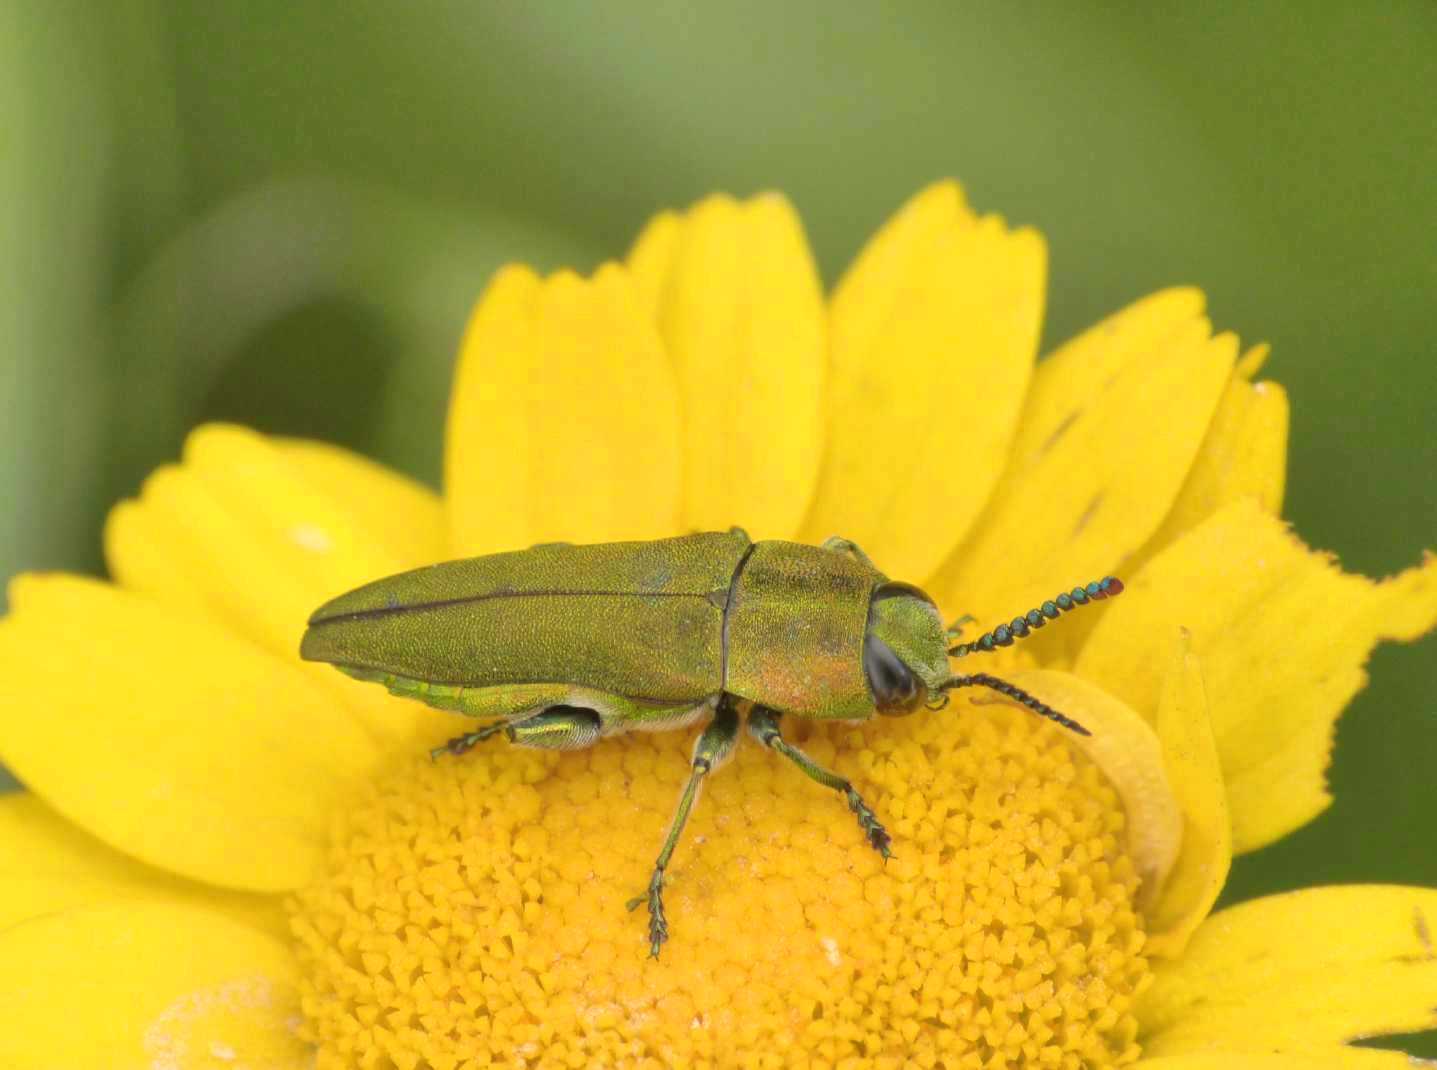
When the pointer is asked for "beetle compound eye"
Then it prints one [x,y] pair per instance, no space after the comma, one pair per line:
[896,691]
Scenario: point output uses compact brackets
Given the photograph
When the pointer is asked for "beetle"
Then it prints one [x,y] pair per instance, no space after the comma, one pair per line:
[564,645]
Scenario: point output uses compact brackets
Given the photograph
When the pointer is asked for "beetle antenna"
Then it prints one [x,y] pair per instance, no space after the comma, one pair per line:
[1020,627]
[1017,694]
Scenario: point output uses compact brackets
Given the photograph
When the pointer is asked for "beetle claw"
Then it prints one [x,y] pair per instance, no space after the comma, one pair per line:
[880,840]
[873,829]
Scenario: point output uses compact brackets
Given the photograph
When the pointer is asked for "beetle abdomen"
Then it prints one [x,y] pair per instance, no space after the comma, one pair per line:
[475,701]
[643,620]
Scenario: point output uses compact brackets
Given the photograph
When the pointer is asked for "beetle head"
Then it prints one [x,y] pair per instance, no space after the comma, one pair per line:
[905,655]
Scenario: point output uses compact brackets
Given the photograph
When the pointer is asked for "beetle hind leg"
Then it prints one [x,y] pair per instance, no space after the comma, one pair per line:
[712,749]
[554,728]
[763,726]
[459,744]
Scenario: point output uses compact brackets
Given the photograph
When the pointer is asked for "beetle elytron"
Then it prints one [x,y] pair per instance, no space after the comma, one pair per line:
[568,644]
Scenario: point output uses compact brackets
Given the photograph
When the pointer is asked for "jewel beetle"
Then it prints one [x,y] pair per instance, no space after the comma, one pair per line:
[559,646]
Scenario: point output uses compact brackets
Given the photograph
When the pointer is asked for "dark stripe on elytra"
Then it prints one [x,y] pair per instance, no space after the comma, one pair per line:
[728,605]
[385,611]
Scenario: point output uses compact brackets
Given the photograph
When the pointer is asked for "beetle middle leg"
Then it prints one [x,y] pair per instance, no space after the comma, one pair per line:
[712,750]
[763,726]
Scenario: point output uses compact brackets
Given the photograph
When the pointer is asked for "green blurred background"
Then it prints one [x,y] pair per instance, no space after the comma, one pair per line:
[281,213]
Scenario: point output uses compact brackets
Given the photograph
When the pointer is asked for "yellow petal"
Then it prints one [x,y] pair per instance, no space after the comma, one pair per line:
[1190,755]
[933,334]
[1243,456]
[651,260]
[564,422]
[144,986]
[1335,1059]
[1128,752]
[1109,434]
[168,738]
[738,301]
[48,865]
[1282,635]
[1299,972]
[257,534]
[407,518]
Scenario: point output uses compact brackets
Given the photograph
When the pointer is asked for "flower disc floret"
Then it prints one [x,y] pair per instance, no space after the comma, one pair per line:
[472,911]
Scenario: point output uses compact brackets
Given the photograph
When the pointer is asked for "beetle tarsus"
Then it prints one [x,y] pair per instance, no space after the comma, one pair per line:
[713,747]
[868,821]
[763,726]
[468,741]
[456,746]
[658,922]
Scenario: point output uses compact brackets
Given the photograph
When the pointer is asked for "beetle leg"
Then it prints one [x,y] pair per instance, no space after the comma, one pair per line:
[955,630]
[838,544]
[554,728]
[459,744]
[712,750]
[763,726]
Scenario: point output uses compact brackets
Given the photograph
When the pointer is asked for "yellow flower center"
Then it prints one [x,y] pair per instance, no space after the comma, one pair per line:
[473,910]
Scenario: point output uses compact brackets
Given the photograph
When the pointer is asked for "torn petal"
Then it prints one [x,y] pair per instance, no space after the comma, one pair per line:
[1282,634]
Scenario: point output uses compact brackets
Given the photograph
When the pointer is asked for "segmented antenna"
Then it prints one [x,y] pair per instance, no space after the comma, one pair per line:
[1019,627]
[1017,694]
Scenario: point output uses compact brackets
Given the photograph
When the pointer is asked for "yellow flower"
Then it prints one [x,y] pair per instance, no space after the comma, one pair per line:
[230,857]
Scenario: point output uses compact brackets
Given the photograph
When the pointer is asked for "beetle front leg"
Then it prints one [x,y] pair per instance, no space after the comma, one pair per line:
[711,751]
[763,726]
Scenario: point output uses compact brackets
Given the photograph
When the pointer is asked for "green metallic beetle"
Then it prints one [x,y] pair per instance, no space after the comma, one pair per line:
[568,644]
